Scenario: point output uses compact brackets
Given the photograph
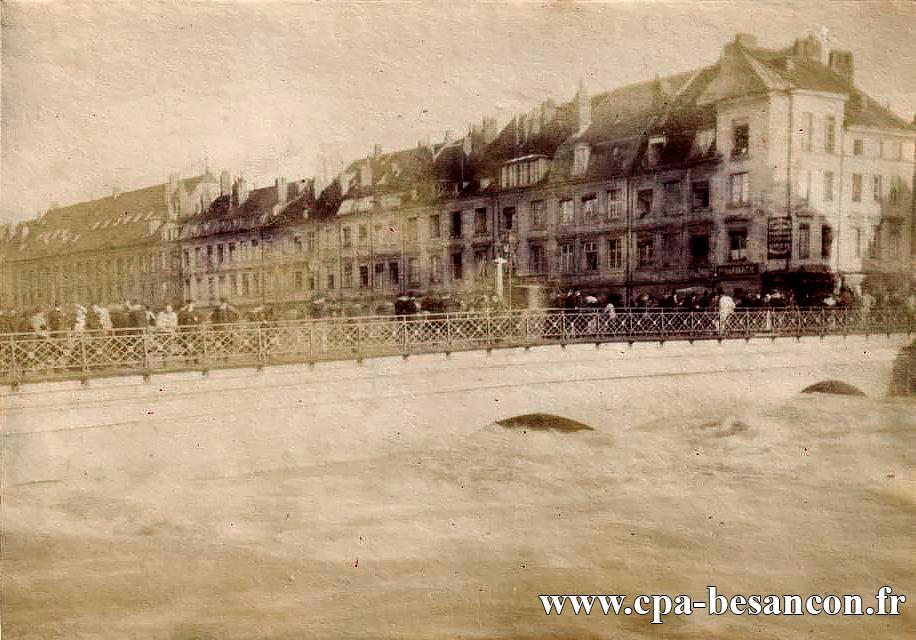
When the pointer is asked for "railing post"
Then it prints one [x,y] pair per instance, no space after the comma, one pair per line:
[448,332]
[261,353]
[489,330]
[145,338]
[527,328]
[203,346]
[84,361]
[405,337]
[14,363]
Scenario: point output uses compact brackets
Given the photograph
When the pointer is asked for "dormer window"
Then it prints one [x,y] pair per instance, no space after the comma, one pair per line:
[703,140]
[523,171]
[580,160]
[655,149]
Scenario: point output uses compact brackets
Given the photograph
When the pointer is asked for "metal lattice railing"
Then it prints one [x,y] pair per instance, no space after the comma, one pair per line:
[33,357]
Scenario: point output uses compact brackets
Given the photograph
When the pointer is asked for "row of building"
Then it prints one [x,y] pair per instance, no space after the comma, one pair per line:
[764,169]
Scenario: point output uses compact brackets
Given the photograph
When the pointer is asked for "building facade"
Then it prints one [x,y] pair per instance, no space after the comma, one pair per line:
[765,168]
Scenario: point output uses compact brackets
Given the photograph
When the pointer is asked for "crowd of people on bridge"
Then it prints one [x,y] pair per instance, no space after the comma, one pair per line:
[134,317]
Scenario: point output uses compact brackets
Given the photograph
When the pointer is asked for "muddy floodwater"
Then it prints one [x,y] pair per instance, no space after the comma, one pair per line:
[148,535]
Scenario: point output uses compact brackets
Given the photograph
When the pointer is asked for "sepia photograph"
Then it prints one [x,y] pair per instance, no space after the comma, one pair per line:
[438,320]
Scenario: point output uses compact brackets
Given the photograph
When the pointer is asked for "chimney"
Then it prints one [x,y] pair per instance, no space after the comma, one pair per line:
[171,188]
[225,184]
[809,48]
[842,65]
[115,192]
[282,191]
[365,174]
[376,151]
[239,192]
[583,107]
[745,40]
[447,138]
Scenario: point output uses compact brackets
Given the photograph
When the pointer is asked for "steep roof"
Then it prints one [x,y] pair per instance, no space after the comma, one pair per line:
[131,217]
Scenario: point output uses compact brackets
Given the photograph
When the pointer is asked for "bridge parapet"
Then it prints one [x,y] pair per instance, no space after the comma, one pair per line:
[81,355]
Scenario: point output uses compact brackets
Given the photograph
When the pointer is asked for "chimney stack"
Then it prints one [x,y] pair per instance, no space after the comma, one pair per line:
[225,184]
[376,151]
[841,64]
[282,191]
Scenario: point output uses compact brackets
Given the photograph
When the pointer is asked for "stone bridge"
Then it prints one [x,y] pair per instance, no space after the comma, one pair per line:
[258,414]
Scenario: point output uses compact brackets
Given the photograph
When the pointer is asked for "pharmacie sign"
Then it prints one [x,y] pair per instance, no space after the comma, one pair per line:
[779,237]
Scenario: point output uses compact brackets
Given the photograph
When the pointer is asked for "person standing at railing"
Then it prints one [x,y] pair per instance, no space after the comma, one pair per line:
[726,309]
[57,321]
[167,320]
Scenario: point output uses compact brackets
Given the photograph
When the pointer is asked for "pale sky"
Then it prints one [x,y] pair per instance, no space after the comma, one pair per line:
[96,95]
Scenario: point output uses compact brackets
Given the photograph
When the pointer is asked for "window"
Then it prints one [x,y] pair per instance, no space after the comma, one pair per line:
[567,259]
[894,248]
[699,195]
[246,285]
[615,253]
[412,230]
[738,189]
[347,269]
[566,211]
[894,193]
[379,274]
[857,233]
[413,271]
[673,197]
[457,266]
[481,262]
[807,131]
[699,250]
[830,134]
[896,150]
[804,241]
[590,209]
[434,229]
[480,222]
[311,240]
[508,218]
[330,280]
[580,161]
[538,214]
[740,139]
[298,281]
[347,239]
[645,252]
[671,249]
[435,269]
[537,262]
[703,141]
[858,147]
[363,233]
[737,245]
[455,230]
[590,256]
[654,152]
[874,247]
[644,203]
[394,273]
[828,186]
[826,241]
[877,188]
[614,208]
[857,187]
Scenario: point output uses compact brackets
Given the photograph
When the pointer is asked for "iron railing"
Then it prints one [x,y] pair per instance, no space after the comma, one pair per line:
[27,357]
